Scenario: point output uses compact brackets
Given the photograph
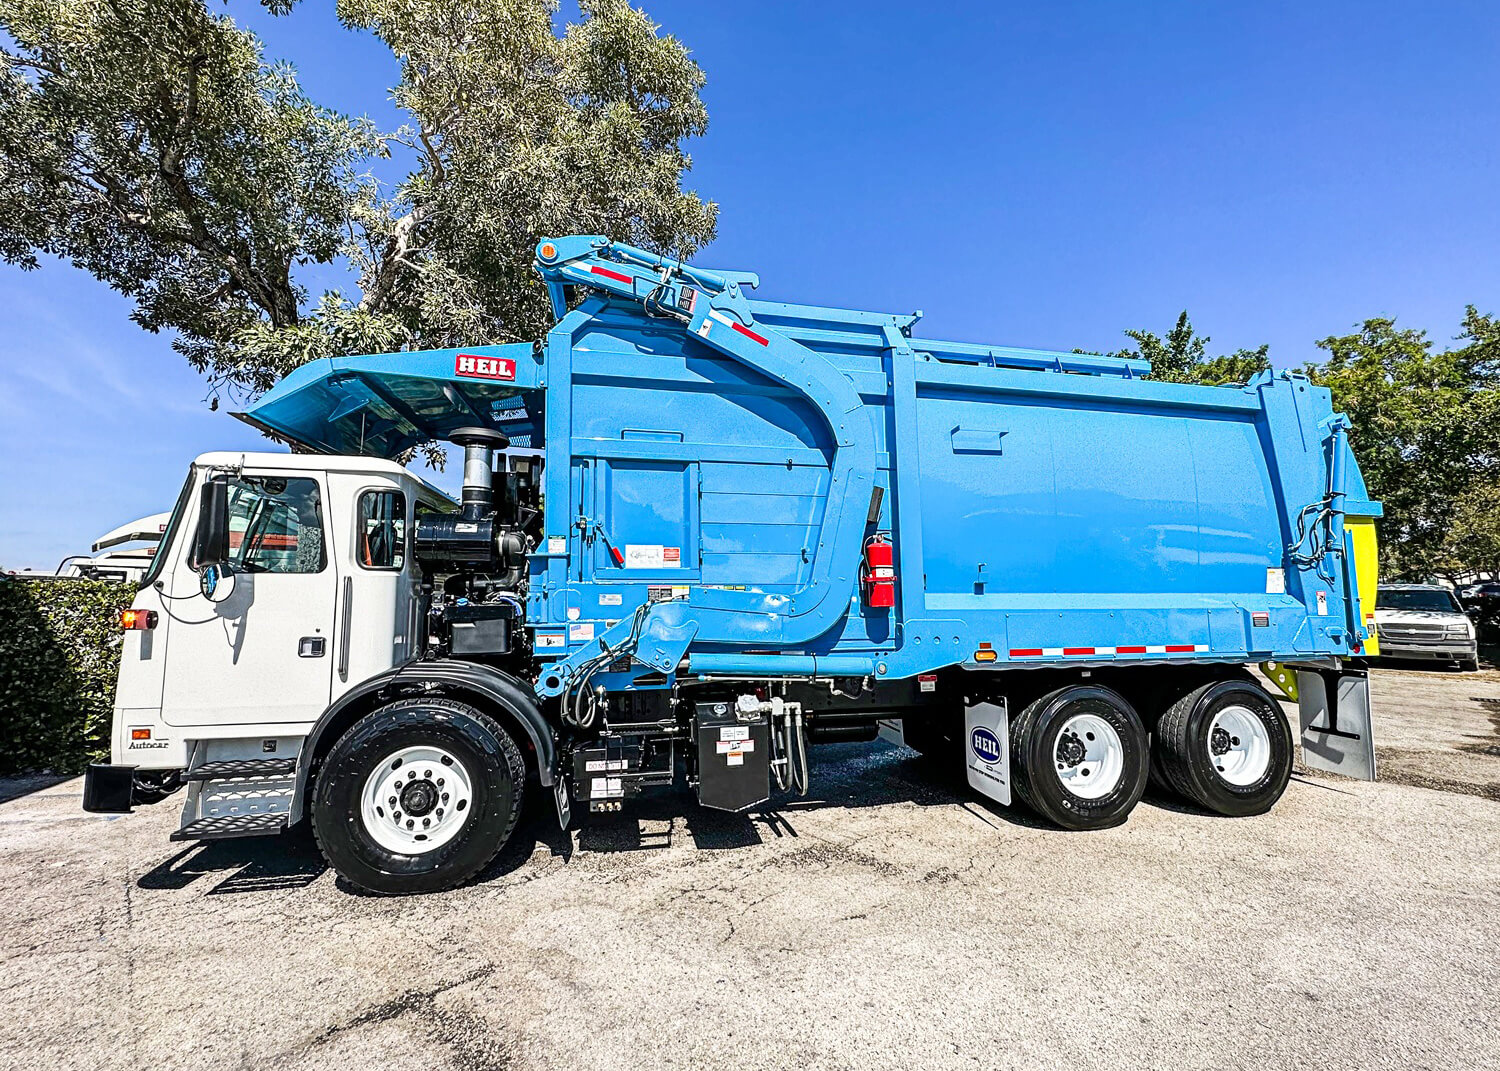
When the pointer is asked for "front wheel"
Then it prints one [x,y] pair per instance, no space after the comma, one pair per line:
[1079,757]
[418,796]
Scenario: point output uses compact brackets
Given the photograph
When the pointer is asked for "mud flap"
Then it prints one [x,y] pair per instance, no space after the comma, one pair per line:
[987,750]
[563,797]
[1334,709]
[892,731]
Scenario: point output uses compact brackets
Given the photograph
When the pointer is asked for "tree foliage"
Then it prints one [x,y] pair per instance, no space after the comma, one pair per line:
[1181,356]
[151,143]
[1425,425]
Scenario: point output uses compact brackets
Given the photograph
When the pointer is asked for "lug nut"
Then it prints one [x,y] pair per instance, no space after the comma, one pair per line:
[409,823]
[445,797]
[426,822]
[426,773]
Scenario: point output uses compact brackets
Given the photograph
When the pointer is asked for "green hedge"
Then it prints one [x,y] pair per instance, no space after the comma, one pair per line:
[59,653]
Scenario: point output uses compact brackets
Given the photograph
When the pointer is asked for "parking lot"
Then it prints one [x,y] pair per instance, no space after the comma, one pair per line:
[888,922]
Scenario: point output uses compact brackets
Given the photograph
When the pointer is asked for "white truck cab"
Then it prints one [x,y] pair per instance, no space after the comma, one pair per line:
[238,668]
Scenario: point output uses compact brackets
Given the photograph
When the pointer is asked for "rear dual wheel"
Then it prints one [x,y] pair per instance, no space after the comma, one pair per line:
[1080,757]
[1225,746]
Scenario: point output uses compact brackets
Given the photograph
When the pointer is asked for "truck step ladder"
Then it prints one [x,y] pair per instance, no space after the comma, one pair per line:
[235,797]
[230,769]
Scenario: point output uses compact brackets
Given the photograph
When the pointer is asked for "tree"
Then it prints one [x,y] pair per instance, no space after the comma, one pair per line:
[1182,357]
[1426,428]
[150,143]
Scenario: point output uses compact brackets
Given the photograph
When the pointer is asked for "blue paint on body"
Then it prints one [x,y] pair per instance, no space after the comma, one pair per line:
[1037,502]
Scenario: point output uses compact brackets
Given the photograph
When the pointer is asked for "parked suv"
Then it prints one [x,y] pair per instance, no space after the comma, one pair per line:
[1424,621]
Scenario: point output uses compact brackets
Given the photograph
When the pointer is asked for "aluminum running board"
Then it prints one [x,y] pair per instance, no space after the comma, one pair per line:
[223,827]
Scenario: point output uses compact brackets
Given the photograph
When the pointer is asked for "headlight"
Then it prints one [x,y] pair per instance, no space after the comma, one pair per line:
[1464,630]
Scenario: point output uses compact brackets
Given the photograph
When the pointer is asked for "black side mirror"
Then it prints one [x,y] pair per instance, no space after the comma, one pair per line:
[211,546]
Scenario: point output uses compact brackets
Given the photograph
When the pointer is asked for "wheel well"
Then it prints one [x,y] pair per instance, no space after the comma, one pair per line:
[357,707]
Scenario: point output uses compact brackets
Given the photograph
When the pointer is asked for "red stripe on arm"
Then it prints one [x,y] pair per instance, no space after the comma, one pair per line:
[1179,648]
[1130,650]
[742,329]
[1077,650]
[1026,652]
[616,276]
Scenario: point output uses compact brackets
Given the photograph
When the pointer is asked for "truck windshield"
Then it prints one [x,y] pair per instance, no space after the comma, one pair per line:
[1436,600]
[169,534]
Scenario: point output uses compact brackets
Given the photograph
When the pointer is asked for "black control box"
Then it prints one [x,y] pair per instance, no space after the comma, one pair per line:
[480,628]
[734,756]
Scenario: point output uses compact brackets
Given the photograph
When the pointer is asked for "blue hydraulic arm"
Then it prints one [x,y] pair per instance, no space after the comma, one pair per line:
[712,307]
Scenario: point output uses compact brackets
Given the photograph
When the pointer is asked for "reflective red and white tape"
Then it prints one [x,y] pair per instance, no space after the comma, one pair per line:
[1076,652]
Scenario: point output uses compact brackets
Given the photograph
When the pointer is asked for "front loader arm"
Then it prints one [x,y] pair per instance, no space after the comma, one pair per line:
[712,307]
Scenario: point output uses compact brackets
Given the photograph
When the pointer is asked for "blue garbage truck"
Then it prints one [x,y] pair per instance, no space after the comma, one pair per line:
[699,535]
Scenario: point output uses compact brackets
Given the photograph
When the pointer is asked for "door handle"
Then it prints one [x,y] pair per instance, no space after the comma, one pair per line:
[344,620]
[310,647]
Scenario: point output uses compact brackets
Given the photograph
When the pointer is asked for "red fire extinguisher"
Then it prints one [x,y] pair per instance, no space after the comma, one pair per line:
[878,573]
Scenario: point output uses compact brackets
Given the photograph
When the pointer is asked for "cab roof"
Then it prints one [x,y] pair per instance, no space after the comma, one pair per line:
[254,459]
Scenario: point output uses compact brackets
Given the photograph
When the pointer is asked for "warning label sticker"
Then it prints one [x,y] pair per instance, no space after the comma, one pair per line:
[612,599]
[734,732]
[731,747]
[581,632]
[604,765]
[652,556]
[557,544]
[927,682]
[606,788]
[550,639]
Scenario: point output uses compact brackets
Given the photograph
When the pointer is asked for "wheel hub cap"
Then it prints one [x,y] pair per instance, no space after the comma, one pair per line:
[418,798]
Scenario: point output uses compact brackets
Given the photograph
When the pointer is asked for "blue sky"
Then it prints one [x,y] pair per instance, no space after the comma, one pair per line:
[1033,174]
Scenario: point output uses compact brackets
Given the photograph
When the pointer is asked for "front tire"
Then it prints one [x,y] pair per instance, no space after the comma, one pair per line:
[1079,757]
[1227,747]
[418,796]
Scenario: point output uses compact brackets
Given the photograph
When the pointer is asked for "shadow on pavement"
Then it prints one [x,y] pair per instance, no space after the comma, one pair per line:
[13,788]
[844,775]
[245,864]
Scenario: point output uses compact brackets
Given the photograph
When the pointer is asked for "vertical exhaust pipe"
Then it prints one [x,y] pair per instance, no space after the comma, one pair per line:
[479,471]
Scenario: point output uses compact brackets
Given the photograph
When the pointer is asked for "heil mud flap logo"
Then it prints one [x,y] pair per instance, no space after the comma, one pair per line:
[985,745]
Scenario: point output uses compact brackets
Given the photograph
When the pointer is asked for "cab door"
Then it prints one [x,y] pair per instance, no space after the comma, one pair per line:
[264,652]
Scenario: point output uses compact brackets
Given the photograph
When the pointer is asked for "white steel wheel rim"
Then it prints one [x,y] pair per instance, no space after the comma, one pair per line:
[433,798]
[1239,745]
[1089,756]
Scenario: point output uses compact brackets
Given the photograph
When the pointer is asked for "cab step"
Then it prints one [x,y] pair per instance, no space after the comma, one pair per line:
[242,769]
[225,826]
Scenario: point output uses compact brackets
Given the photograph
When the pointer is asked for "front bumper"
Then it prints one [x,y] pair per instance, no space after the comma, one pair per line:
[108,789]
[1439,650]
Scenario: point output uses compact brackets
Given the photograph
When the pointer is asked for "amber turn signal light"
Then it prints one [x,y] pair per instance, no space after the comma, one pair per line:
[137,619]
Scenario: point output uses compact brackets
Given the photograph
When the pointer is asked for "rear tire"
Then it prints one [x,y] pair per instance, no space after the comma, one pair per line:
[1079,757]
[1225,746]
[457,778]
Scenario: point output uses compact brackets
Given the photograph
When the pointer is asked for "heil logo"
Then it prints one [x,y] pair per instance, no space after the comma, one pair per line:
[985,745]
[477,367]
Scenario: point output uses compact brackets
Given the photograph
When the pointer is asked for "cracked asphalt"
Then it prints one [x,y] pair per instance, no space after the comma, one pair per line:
[890,921]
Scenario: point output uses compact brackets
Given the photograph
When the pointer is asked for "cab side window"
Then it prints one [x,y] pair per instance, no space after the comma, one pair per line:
[276,524]
[381,537]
